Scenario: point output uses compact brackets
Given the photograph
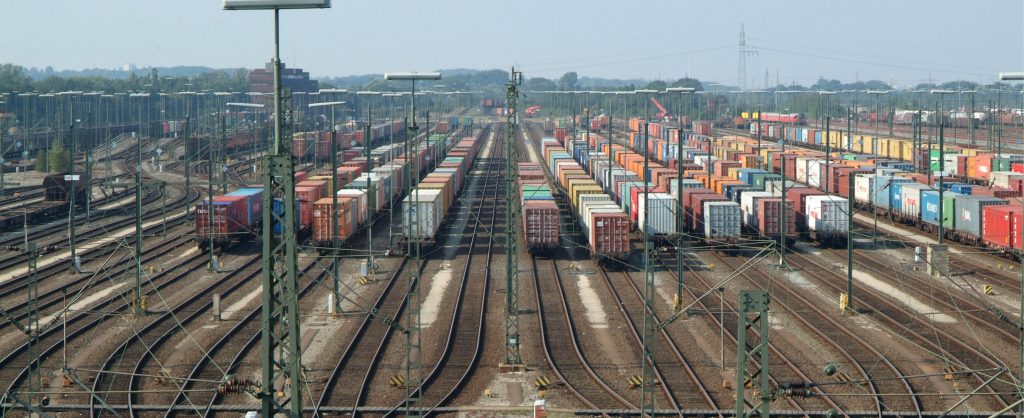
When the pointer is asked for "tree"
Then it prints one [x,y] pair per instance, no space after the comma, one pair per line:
[568,81]
[657,85]
[689,82]
[59,160]
[41,161]
[539,84]
[13,78]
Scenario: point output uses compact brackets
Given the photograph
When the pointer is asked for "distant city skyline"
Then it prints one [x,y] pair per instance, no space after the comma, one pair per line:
[901,43]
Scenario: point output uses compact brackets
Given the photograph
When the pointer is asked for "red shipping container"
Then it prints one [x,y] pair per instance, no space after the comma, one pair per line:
[1004,193]
[635,194]
[1017,167]
[229,217]
[797,196]
[307,196]
[998,223]
[560,135]
[540,223]
[1017,184]
[609,234]
[721,167]
[768,216]
[322,185]
[299,147]
[299,176]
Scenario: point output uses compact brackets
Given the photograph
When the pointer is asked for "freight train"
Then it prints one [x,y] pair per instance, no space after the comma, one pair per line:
[238,216]
[310,145]
[604,224]
[981,192]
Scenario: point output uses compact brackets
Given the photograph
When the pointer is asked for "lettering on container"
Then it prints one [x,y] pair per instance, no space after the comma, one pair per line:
[966,215]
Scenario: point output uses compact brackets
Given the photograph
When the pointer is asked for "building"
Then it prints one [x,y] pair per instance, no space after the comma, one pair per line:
[262,80]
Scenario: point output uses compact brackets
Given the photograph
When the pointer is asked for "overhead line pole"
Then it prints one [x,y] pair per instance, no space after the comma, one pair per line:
[513,357]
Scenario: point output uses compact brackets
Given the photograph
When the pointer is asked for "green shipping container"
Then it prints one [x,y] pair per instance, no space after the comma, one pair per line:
[850,157]
[760,178]
[1003,164]
[948,209]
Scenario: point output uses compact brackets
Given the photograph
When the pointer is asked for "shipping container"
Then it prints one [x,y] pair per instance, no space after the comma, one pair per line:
[827,217]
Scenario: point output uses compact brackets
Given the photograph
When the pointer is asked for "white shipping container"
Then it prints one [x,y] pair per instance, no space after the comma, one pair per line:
[662,219]
[687,184]
[1002,178]
[911,196]
[721,220]
[702,160]
[775,186]
[422,214]
[801,168]
[862,187]
[589,213]
[362,198]
[949,164]
[748,205]
[827,214]
[814,172]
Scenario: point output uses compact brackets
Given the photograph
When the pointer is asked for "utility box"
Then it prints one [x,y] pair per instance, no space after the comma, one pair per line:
[938,260]
[539,408]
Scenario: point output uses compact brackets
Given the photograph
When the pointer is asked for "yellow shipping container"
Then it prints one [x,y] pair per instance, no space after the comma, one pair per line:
[907,152]
[882,146]
[970,152]
[896,149]
[732,172]
[581,190]
[866,144]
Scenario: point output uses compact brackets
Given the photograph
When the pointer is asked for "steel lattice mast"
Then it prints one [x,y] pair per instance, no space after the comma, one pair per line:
[512,355]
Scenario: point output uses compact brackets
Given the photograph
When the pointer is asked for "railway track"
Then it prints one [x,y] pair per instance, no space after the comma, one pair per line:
[14,365]
[955,354]
[685,386]
[562,348]
[727,322]
[51,297]
[116,380]
[464,341]
[887,386]
[368,344]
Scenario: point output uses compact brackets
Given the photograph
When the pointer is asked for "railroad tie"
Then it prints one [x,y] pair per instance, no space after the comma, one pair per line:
[397,381]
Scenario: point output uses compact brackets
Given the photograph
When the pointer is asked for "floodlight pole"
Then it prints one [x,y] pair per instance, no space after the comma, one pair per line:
[414,335]
[680,238]
[1020,410]
[335,273]
[280,353]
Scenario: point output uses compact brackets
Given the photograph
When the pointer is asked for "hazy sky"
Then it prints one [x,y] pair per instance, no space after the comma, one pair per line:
[891,40]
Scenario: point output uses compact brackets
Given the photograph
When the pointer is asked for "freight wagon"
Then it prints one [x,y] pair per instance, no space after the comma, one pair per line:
[427,205]
[540,213]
